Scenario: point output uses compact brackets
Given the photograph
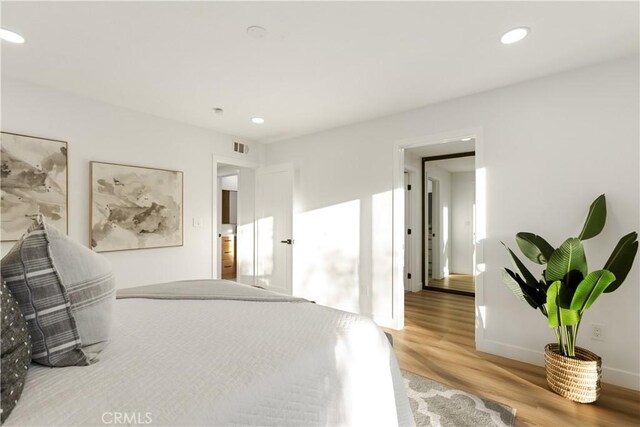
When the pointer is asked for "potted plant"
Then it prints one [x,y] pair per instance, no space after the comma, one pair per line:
[565,291]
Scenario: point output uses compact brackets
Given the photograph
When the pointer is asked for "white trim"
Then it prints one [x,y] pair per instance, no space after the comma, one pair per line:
[415,283]
[610,375]
[397,318]
[437,246]
[215,243]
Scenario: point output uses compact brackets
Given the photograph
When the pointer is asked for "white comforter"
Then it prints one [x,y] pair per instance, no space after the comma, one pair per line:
[187,362]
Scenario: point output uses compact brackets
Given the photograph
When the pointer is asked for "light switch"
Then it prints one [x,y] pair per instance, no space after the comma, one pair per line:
[197,222]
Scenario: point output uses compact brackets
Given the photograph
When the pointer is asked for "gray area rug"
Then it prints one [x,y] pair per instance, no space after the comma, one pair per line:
[435,404]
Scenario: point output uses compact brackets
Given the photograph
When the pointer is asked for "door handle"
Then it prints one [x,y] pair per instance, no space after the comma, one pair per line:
[288,241]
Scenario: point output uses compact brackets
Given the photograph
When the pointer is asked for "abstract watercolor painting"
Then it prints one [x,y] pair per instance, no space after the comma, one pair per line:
[33,180]
[135,207]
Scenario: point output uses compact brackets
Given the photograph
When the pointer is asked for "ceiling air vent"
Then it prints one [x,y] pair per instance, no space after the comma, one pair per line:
[239,147]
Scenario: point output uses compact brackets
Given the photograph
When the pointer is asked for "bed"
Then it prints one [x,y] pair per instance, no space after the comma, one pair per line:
[222,353]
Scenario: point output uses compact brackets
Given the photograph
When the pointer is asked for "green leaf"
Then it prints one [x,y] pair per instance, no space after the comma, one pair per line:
[511,280]
[534,247]
[535,297]
[590,289]
[569,256]
[621,260]
[570,283]
[596,218]
[543,285]
[569,317]
[553,309]
[526,274]
[558,316]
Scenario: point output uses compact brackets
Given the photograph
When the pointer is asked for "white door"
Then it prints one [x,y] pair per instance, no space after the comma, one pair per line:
[274,211]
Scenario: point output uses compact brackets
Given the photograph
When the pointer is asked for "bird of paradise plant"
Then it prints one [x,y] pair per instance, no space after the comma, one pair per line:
[567,289]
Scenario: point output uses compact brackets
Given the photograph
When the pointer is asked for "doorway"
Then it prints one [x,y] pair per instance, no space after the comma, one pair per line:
[233,219]
[228,221]
[410,152]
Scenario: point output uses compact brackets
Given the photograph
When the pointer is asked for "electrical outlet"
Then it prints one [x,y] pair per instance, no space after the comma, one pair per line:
[597,332]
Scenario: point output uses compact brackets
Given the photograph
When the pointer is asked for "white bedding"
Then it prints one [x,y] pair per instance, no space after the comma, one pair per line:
[190,362]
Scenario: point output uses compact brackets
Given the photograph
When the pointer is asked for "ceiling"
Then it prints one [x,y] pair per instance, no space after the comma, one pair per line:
[321,65]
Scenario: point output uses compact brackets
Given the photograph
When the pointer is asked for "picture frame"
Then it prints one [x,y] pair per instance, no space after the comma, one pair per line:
[135,207]
[35,180]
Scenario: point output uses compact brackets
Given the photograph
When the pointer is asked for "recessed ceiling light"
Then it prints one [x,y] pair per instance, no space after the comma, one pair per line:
[515,35]
[466,139]
[256,32]
[10,36]
[257,120]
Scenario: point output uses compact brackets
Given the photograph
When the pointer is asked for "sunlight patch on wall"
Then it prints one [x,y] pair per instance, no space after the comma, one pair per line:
[264,264]
[245,257]
[246,226]
[327,255]
[481,203]
[382,254]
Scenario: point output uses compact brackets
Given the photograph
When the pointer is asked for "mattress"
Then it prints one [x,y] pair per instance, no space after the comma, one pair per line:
[225,362]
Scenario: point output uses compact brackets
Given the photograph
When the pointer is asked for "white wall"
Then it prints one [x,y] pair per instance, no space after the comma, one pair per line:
[97,131]
[463,196]
[549,147]
[229,182]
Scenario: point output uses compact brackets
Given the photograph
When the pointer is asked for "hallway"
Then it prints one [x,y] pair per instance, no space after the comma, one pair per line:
[455,282]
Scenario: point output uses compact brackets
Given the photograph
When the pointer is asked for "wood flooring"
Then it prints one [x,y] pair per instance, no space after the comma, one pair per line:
[438,342]
[456,282]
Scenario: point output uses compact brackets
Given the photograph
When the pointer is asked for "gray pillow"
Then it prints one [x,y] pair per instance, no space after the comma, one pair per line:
[16,352]
[65,292]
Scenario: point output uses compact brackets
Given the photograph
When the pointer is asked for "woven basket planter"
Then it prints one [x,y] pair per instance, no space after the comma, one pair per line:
[578,378]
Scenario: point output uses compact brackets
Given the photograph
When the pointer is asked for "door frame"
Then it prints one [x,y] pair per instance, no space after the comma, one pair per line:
[435,223]
[397,257]
[215,242]
[415,284]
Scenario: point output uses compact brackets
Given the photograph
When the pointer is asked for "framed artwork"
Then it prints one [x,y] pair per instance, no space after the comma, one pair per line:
[135,207]
[34,179]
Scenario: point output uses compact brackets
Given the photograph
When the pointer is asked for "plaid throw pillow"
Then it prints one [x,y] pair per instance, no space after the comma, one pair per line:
[65,292]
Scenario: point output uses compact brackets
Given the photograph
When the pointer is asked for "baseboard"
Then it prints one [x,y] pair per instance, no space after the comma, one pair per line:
[610,375]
